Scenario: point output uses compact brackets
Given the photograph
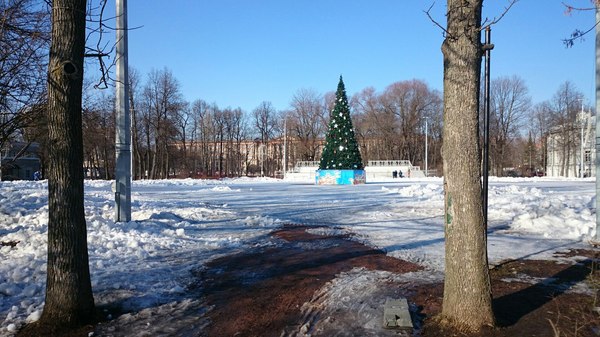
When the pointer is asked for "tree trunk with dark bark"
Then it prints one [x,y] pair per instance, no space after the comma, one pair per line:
[69,300]
[467,292]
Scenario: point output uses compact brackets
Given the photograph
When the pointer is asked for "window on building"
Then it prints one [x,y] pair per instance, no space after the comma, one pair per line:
[588,156]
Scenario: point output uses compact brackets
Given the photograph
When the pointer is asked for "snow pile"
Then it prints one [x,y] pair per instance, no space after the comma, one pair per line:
[139,264]
[223,189]
[558,216]
[521,212]
[551,214]
[259,221]
[418,191]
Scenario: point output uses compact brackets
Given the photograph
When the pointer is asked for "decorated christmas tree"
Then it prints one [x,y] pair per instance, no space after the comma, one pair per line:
[341,150]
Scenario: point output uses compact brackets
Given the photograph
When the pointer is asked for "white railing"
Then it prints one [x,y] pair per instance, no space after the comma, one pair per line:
[312,163]
[375,169]
[371,163]
[389,163]
[392,163]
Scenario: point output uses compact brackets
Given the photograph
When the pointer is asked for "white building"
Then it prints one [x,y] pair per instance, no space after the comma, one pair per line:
[579,157]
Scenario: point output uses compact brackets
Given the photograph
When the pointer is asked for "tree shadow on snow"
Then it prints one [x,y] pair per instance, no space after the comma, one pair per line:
[510,308]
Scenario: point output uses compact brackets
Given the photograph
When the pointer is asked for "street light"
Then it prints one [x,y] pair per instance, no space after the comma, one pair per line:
[581,167]
[597,148]
[261,156]
[487,48]
[426,136]
[122,186]
[284,147]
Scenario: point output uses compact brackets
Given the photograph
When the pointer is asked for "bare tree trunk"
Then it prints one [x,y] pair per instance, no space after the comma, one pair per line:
[152,166]
[107,169]
[467,292]
[167,164]
[69,300]
[568,146]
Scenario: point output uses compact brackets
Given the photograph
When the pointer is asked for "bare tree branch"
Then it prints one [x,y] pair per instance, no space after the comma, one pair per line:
[484,25]
[569,9]
[577,34]
[24,41]
[428,13]
[103,49]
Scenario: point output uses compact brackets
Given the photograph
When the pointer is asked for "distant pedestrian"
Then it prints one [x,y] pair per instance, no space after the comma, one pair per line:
[395,174]
[37,175]
[400,174]
[408,173]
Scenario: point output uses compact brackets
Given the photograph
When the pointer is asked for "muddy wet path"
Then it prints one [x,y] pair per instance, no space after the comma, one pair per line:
[260,293]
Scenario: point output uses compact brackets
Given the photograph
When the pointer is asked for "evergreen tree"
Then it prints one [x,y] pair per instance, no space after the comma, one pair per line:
[341,150]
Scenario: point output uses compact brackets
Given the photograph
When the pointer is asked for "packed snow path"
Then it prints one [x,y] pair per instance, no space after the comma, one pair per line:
[278,291]
[144,266]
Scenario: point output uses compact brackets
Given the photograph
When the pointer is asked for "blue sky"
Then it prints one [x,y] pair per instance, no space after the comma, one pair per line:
[239,53]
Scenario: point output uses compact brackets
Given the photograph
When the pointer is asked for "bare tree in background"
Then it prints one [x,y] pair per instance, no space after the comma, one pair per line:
[566,106]
[218,136]
[182,119]
[433,114]
[539,127]
[98,136]
[162,101]
[308,122]
[24,40]
[235,133]
[367,123]
[265,120]
[392,125]
[202,135]
[265,123]
[138,168]
[329,100]
[409,102]
[509,104]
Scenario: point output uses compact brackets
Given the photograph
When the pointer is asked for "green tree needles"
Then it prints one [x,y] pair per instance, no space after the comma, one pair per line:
[341,150]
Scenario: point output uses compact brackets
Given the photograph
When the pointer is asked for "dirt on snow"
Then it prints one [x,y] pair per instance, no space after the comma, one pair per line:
[261,293]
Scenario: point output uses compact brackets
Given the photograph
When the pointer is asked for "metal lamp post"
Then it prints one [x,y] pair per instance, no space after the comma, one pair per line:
[426,138]
[122,186]
[581,166]
[597,158]
[487,49]
[284,147]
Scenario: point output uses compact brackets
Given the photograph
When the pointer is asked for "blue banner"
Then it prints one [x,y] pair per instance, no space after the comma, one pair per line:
[340,177]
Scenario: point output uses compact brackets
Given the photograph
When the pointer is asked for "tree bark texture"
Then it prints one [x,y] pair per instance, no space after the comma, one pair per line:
[467,292]
[69,300]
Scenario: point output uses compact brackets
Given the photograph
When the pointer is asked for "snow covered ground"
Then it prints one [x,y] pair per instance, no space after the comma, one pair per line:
[178,225]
